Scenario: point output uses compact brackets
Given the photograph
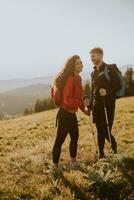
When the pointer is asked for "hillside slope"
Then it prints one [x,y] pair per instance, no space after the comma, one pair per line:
[16,101]
[26,168]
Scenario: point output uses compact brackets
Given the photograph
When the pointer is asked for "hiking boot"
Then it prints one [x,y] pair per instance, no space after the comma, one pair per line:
[75,165]
[102,156]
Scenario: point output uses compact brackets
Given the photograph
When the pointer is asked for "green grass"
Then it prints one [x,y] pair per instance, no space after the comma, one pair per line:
[26,168]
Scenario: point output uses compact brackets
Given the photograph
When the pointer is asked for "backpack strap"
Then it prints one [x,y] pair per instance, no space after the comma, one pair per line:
[106,72]
[110,68]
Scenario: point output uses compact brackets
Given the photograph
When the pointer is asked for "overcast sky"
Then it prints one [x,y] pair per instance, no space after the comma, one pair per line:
[37,36]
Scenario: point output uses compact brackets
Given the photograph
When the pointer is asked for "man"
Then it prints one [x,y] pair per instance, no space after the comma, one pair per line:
[103,91]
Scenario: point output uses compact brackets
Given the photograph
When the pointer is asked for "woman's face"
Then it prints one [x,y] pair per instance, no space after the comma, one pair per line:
[78,65]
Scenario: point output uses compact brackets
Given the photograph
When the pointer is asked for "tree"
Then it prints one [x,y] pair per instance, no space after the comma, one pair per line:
[28,111]
[38,106]
[129,81]
[44,104]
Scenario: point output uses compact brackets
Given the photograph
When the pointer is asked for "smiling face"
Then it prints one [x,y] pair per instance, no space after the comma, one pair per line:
[96,55]
[96,58]
[78,65]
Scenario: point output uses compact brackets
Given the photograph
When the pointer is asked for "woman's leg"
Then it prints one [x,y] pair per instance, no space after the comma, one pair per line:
[60,138]
[101,138]
[74,134]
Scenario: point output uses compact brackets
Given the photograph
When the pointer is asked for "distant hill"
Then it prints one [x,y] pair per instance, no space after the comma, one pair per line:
[17,94]
[15,101]
[38,90]
[6,85]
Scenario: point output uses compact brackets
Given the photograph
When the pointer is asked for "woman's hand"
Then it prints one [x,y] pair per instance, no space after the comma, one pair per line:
[86,102]
[87,112]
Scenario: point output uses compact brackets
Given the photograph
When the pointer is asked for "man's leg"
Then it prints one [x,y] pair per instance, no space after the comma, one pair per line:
[60,138]
[101,138]
[97,119]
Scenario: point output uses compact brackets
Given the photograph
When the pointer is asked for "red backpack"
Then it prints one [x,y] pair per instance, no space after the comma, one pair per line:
[57,99]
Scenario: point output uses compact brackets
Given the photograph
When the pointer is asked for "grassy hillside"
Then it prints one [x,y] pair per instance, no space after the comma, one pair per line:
[26,167]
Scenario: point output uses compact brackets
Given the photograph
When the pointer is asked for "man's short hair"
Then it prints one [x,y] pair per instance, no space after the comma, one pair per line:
[97,50]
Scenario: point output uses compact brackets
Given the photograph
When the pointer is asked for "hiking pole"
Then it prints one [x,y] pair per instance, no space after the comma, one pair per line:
[95,143]
[92,130]
[107,122]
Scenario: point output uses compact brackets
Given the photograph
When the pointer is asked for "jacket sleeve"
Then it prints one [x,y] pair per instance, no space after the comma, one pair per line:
[68,98]
[82,107]
[91,94]
[115,84]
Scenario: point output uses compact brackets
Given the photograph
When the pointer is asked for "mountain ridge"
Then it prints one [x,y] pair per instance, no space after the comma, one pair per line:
[10,84]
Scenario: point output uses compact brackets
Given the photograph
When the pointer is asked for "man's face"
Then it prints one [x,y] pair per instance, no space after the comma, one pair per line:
[96,58]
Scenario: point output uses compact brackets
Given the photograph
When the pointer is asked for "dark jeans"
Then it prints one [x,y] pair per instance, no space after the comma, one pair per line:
[67,123]
[102,130]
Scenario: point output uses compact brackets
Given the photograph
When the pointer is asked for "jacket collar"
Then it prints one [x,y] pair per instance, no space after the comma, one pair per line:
[101,67]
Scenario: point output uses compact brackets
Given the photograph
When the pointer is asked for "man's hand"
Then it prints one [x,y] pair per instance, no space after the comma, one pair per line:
[103,92]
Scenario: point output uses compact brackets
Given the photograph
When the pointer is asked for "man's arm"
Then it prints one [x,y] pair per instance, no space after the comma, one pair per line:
[90,105]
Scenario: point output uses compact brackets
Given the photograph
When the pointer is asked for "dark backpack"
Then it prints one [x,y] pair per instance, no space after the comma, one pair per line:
[121,91]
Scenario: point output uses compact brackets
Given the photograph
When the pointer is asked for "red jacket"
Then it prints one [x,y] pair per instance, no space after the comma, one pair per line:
[73,94]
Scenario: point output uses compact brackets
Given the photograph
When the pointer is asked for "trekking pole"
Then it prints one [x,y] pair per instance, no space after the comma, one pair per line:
[95,143]
[92,130]
[107,122]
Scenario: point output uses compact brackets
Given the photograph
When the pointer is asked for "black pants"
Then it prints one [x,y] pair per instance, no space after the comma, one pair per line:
[67,123]
[100,121]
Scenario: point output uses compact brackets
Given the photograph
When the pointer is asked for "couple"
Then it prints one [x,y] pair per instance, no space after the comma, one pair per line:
[67,92]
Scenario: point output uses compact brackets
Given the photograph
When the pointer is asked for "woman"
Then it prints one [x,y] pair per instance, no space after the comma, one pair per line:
[69,87]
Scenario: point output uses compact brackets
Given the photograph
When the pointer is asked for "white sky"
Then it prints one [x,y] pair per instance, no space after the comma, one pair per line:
[37,36]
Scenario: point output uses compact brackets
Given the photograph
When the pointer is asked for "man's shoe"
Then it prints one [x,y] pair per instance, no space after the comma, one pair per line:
[102,156]
[75,165]
[115,148]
